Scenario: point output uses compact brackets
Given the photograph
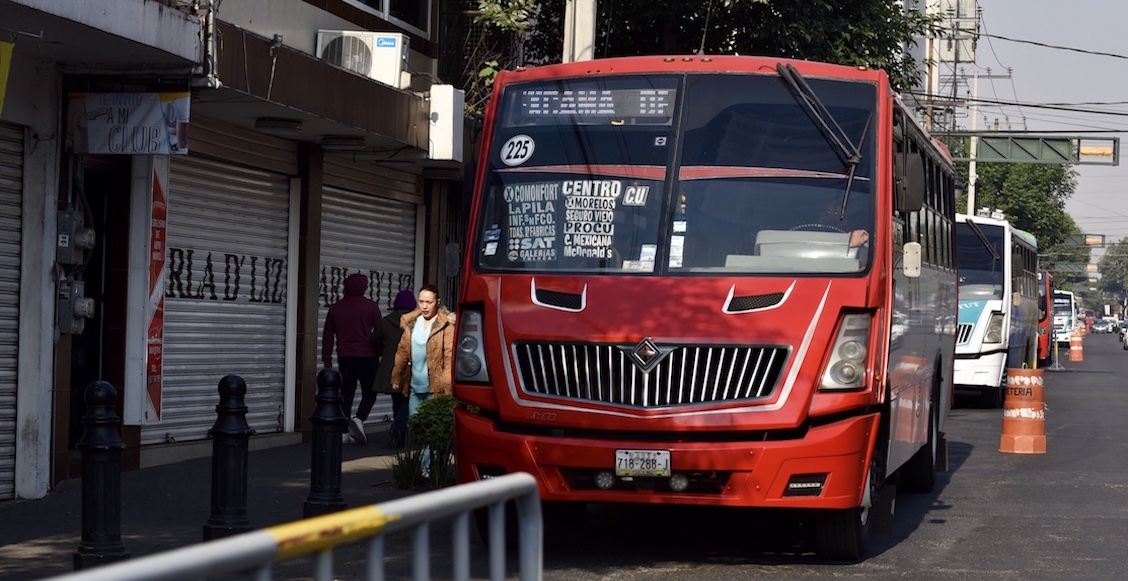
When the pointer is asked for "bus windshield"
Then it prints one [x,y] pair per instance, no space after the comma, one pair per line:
[677,174]
[981,272]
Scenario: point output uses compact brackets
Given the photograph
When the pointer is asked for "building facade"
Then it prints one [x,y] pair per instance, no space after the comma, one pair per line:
[184,186]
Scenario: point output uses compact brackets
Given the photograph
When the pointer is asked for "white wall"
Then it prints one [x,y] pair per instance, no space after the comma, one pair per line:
[33,97]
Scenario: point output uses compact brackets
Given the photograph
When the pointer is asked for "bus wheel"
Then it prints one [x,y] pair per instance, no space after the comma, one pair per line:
[919,473]
[843,535]
[992,397]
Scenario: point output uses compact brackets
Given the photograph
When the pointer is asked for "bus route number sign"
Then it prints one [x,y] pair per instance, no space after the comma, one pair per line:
[642,462]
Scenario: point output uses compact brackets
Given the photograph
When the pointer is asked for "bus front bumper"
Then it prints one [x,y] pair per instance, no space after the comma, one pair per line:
[980,372]
[825,468]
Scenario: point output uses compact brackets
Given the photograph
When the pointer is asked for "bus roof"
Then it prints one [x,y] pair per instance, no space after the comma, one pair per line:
[1023,234]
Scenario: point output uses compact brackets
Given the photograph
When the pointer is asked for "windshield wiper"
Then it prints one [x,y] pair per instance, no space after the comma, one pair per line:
[847,152]
[983,239]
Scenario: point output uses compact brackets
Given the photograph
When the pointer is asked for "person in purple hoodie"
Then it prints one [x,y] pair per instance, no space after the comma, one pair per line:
[390,332]
[349,324]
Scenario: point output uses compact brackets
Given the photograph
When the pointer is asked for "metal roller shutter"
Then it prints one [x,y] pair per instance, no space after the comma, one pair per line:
[225,299]
[372,235]
[11,196]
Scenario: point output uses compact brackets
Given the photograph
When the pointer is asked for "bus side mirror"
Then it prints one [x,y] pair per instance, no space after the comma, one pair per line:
[910,263]
[910,190]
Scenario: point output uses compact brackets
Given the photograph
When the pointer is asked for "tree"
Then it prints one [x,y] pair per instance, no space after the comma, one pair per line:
[1113,267]
[1033,196]
[872,33]
[497,45]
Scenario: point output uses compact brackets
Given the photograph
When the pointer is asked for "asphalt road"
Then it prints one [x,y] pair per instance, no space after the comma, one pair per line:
[992,515]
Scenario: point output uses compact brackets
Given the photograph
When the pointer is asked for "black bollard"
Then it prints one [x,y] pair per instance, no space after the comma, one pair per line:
[230,454]
[325,468]
[101,447]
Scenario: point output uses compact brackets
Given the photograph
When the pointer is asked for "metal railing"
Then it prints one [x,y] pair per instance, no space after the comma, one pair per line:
[256,553]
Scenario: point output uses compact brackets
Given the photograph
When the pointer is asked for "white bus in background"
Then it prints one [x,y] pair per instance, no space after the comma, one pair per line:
[1065,316]
[998,304]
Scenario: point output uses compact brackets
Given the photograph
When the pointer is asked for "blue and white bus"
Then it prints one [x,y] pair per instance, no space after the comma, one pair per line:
[1065,317]
[998,304]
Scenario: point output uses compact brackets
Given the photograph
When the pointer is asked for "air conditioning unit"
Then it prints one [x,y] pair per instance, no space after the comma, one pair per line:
[381,56]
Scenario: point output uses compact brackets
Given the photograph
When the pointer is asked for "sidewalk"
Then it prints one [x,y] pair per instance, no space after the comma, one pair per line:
[166,507]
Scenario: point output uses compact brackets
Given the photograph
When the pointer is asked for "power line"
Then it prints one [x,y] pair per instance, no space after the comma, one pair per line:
[1056,47]
[1047,106]
[1014,90]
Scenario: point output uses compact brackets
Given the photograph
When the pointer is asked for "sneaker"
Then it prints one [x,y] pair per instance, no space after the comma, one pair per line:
[356,429]
[346,439]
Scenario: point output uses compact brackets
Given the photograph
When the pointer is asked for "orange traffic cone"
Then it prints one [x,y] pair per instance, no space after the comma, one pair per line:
[1024,413]
[1075,347]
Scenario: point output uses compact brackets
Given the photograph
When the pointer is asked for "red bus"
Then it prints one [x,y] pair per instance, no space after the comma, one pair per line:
[1045,318]
[708,281]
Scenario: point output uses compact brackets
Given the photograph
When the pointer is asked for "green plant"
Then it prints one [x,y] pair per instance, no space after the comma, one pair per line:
[430,431]
[432,424]
[407,462]
[504,24]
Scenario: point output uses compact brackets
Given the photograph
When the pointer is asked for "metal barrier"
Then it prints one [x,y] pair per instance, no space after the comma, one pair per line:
[255,553]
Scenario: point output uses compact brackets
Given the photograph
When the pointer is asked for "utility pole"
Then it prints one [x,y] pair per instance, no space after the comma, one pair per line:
[579,30]
[951,48]
[974,139]
[974,145]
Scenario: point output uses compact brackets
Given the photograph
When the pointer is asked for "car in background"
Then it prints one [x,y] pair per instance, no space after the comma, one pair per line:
[1102,326]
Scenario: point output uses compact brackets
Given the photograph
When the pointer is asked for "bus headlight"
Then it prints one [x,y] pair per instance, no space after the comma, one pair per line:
[994,332]
[846,368]
[469,357]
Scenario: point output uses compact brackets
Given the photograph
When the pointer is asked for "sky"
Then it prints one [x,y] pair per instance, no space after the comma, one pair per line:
[1055,64]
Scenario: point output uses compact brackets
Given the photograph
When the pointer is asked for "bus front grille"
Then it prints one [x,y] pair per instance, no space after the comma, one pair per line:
[684,374]
[963,333]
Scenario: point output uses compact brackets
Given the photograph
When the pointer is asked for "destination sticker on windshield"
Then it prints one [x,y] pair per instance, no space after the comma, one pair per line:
[532,221]
[517,150]
[635,195]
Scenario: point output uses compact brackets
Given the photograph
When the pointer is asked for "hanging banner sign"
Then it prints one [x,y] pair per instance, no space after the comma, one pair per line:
[129,123]
[5,68]
[154,360]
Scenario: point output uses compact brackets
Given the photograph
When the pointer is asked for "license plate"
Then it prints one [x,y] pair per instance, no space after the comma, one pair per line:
[642,462]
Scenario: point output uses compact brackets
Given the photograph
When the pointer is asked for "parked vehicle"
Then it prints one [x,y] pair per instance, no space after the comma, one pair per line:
[1065,316]
[1045,319]
[1102,326]
[652,312]
[998,294]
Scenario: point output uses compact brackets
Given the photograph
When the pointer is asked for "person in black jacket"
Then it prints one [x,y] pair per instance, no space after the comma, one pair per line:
[390,332]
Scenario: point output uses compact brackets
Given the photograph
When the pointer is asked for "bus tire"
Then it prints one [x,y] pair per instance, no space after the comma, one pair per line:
[919,473]
[991,398]
[844,534]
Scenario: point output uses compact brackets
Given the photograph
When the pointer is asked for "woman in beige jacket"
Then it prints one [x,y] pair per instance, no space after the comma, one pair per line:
[425,353]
